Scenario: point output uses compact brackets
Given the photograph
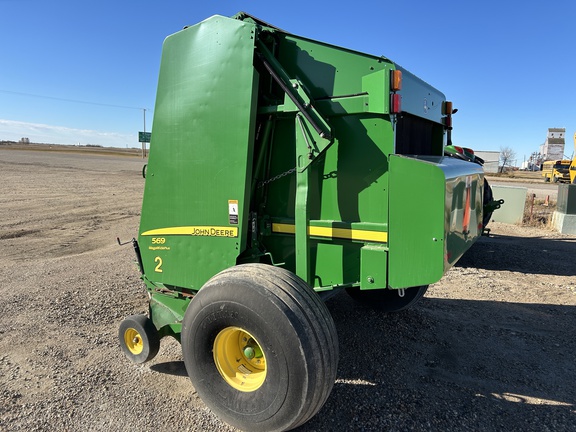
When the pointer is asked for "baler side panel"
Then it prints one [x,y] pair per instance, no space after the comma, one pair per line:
[196,198]
[348,183]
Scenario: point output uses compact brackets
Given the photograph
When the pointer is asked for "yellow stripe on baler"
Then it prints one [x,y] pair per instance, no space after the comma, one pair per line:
[330,232]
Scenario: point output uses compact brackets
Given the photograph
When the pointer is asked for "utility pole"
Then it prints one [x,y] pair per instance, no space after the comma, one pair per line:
[144,144]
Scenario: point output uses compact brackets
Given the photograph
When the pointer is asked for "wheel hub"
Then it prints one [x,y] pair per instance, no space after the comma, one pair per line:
[133,341]
[239,359]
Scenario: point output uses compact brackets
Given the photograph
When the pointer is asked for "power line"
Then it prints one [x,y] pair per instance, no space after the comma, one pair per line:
[72,100]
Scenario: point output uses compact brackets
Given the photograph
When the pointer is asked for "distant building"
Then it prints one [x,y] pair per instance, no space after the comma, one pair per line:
[529,166]
[553,147]
[491,160]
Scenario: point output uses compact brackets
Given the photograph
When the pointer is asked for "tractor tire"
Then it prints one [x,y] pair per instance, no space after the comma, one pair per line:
[260,348]
[388,300]
[488,197]
[139,338]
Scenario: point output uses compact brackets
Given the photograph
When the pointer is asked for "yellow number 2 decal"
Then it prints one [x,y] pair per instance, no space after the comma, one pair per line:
[158,268]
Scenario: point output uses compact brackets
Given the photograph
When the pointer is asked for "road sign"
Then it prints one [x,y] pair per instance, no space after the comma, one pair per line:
[144,137]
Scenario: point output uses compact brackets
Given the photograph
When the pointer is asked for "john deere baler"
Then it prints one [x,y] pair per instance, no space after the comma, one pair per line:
[283,170]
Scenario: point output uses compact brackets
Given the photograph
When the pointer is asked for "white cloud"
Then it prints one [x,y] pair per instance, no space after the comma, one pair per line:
[11,130]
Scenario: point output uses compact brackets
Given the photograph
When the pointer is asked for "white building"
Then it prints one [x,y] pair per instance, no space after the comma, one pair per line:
[491,160]
[553,147]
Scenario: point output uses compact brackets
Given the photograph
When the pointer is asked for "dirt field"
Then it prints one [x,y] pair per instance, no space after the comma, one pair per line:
[491,347]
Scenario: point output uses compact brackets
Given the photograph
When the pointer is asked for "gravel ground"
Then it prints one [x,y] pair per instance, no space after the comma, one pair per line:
[491,347]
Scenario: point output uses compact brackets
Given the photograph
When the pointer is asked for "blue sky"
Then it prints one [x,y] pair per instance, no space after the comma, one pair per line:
[81,72]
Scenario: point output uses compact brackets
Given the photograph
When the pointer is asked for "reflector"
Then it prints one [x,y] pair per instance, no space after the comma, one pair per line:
[396,103]
[396,80]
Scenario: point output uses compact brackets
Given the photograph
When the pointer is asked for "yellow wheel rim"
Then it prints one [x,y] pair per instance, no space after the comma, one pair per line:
[239,359]
[133,341]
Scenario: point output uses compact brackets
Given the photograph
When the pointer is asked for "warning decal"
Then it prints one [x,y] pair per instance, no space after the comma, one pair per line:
[233,212]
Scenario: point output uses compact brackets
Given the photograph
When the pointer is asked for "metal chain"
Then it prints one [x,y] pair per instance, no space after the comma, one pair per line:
[278,177]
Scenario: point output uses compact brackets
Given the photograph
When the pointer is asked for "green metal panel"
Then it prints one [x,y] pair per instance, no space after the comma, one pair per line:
[348,188]
[377,86]
[566,199]
[329,270]
[435,216]
[195,207]
[328,71]
[374,267]
[167,312]
[350,183]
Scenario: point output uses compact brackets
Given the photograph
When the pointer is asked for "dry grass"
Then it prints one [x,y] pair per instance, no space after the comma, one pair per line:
[518,175]
[537,212]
